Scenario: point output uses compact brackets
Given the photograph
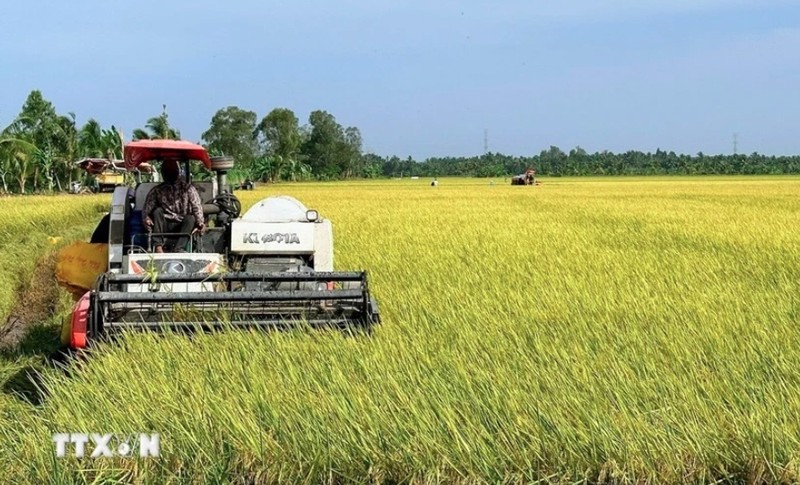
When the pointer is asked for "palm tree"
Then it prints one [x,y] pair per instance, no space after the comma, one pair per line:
[15,156]
[90,139]
[16,153]
[44,159]
[57,157]
[157,128]
[113,143]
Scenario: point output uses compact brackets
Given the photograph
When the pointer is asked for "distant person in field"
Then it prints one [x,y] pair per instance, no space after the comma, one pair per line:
[173,206]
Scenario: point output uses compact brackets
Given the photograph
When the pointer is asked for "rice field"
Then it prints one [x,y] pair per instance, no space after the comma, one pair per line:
[620,330]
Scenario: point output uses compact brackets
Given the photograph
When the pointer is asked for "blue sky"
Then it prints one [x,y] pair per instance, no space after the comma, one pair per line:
[425,78]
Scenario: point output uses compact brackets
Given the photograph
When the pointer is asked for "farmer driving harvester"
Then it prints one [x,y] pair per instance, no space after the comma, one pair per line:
[173,207]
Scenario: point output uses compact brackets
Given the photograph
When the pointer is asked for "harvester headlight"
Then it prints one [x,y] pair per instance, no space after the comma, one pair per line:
[174,267]
[312,215]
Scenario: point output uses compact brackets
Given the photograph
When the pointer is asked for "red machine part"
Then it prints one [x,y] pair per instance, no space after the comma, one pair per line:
[142,151]
[80,319]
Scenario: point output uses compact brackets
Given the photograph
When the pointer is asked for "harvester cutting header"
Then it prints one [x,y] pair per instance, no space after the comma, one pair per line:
[269,267]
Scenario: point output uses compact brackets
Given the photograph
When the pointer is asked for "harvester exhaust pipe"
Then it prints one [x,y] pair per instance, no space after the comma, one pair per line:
[221,165]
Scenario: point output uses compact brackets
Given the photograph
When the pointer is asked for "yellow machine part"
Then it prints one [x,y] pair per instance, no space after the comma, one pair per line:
[79,264]
[111,178]
[66,329]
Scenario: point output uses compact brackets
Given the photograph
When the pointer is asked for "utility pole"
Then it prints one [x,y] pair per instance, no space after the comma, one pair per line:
[485,141]
[735,143]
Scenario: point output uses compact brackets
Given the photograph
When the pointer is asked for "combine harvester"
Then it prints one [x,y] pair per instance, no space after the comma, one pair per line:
[527,178]
[109,174]
[271,267]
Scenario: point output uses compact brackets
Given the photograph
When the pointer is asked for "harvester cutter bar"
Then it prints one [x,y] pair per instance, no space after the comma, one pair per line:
[229,296]
[229,300]
[276,323]
[237,277]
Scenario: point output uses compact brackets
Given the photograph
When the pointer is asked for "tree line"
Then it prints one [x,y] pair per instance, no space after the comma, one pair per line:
[556,163]
[39,148]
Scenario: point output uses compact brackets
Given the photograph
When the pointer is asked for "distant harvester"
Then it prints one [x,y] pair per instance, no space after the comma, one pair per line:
[527,178]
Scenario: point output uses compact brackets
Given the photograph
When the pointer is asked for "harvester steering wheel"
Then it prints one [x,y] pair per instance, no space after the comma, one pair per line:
[229,204]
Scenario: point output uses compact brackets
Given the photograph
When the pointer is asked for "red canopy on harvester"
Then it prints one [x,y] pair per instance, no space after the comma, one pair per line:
[142,151]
